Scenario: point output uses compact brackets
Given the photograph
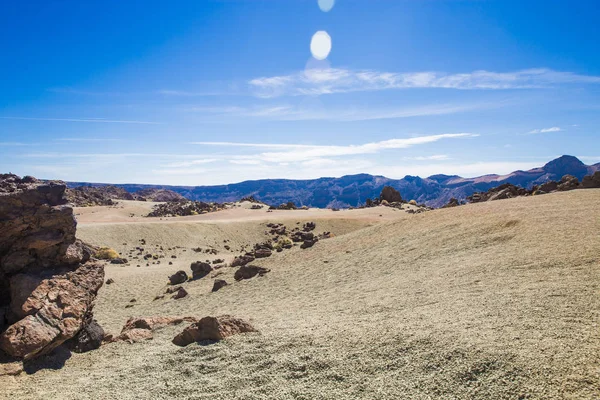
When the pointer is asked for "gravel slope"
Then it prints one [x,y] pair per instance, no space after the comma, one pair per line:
[497,300]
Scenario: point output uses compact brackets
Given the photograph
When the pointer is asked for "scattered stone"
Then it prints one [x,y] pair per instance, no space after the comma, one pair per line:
[212,328]
[200,269]
[172,289]
[308,243]
[138,329]
[249,271]
[178,277]
[309,226]
[242,260]
[181,293]
[219,283]
[110,281]
[262,253]
[452,203]
[119,261]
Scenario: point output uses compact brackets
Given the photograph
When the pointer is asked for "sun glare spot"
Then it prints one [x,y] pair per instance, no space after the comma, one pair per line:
[326,5]
[320,45]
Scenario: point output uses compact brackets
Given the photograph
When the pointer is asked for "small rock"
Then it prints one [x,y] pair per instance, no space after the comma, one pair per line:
[212,328]
[178,277]
[181,293]
[249,271]
[89,338]
[200,269]
[219,283]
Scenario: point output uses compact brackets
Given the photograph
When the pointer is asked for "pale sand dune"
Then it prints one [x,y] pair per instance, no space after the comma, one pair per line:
[496,300]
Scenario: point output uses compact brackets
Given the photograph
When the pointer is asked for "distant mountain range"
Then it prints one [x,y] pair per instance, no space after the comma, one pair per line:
[353,190]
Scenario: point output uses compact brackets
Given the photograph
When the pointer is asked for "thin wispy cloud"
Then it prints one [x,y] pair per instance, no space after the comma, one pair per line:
[88,140]
[349,114]
[339,80]
[545,130]
[14,144]
[97,120]
[183,93]
[303,152]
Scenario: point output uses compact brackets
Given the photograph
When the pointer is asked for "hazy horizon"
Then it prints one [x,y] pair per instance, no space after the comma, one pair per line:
[215,92]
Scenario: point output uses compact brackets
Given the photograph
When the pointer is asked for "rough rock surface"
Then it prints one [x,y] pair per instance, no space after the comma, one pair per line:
[212,328]
[54,312]
[46,293]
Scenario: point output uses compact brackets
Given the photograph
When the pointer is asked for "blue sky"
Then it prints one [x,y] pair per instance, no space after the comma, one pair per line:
[210,92]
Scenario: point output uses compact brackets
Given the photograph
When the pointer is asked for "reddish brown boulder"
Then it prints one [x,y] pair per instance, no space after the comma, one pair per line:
[54,312]
[212,328]
[141,328]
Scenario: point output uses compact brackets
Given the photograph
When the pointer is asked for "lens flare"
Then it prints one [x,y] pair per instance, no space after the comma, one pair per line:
[320,45]
[326,5]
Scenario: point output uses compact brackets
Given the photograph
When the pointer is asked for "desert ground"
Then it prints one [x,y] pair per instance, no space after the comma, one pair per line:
[496,300]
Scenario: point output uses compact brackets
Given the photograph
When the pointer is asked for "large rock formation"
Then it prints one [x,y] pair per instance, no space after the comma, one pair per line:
[591,181]
[46,287]
[390,195]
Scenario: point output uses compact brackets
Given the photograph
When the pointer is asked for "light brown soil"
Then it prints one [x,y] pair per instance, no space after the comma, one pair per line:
[497,300]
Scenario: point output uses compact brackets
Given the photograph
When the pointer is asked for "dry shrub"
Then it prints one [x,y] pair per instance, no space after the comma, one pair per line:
[106,253]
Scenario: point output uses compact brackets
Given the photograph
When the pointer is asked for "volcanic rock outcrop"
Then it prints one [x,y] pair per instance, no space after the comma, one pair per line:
[47,287]
[86,196]
[184,208]
[390,195]
[591,181]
